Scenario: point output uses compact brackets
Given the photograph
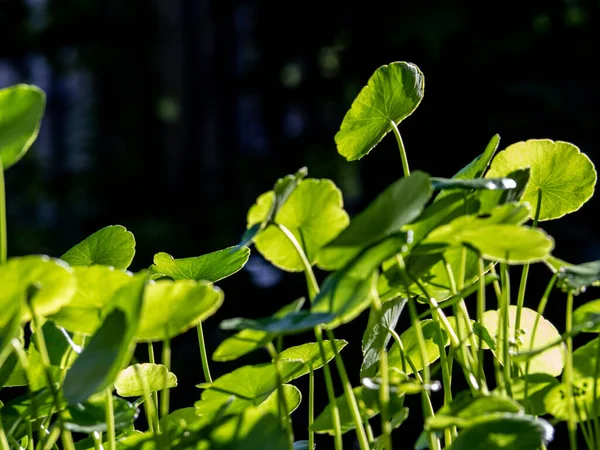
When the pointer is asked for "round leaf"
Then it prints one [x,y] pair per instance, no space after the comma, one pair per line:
[172,307]
[391,95]
[564,176]
[313,213]
[551,361]
[53,278]
[22,108]
[583,395]
[129,384]
[310,355]
[585,313]
[110,246]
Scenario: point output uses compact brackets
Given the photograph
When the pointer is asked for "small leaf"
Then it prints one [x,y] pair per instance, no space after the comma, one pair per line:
[584,360]
[377,334]
[391,95]
[563,175]
[172,307]
[247,341]
[492,184]
[111,246]
[479,165]
[310,355]
[90,416]
[313,213]
[588,312]
[576,278]
[22,109]
[110,347]
[179,420]
[551,361]
[399,204]
[292,323]
[96,285]
[53,278]
[210,267]
[505,431]
[129,384]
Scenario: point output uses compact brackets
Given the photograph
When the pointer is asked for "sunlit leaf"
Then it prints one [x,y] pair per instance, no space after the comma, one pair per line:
[505,431]
[53,281]
[550,361]
[492,184]
[563,175]
[313,213]
[96,286]
[479,165]
[210,267]
[110,246]
[538,386]
[587,312]
[400,203]
[310,355]
[109,349]
[586,405]
[391,95]
[90,416]
[172,307]
[411,346]
[247,341]
[377,334]
[157,377]
[22,109]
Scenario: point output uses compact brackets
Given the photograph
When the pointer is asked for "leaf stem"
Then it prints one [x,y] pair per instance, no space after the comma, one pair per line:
[284,411]
[401,148]
[311,407]
[166,361]
[111,434]
[480,310]
[3,440]
[152,360]
[572,424]
[3,238]
[203,355]
[504,314]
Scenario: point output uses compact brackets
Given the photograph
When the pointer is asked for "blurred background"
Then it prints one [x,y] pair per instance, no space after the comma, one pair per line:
[171,116]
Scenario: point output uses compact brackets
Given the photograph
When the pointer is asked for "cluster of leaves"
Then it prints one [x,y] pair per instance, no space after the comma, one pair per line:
[430,246]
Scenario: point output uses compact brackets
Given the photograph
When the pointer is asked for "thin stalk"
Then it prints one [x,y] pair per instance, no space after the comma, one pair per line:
[504,314]
[111,434]
[3,440]
[446,380]
[311,408]
[405,357]
[349,393]
[166,360]
[571,423]
[401,148]
[284,410]
[149,406]
[97,438]
[52,438]
[311,281]
[30,445]
[368,429]
[480,310]
[3,239]
[203,355]
[595,410]
[384,401]
[152,360]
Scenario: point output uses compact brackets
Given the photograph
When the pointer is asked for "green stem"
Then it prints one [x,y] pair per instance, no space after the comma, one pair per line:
[3,440]
[203,355]
[480,310]
[595,390]
[149,405]
[311,281]
[97,438]
[349,393]
[311,408]
[572,424]
[3,239]
[504,314]
[446,380]
[152,360]
[111,434]
[405,357]
[401,148]
[284,410]
[166,360]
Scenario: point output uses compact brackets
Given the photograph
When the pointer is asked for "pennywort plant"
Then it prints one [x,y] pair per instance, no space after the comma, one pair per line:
[446,252]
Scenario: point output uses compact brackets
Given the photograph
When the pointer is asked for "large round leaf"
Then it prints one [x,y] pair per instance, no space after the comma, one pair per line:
[564,176]
[313,213]
[96,286]
[110,246]
[54,281]
[172,307]
[551,361]
[130,381]
[391,95]
[21,111]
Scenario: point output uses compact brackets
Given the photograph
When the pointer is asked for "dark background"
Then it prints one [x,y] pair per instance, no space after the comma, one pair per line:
[171,116]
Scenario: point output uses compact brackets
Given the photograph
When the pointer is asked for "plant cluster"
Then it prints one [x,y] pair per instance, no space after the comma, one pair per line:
[438,249]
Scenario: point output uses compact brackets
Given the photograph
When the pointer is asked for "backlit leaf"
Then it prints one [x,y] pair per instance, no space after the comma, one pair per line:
[129,384]
[90,416]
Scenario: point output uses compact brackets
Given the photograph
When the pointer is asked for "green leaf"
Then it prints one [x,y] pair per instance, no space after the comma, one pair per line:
[377,334]
[400,203]
[210,267]
[96,285]
[492,184]
[584,360]
[22,109]
[479,165]
[587,312]
[129,384]
[411,346]
[400,384]
[538,386]
[466,410]
[111,246]
[53,279]
[293,323]
[109,349]
[505,431]
[58,343]
[90,416]
[551,361]
[391,95]
[563,175]
[247,341]
[173,307]
[585,402]
[179,420]
[309,354]
[347,292]
[575,278]
[10,329]
[313,213]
